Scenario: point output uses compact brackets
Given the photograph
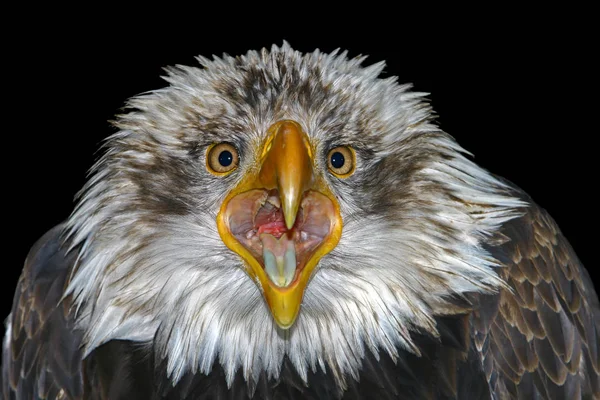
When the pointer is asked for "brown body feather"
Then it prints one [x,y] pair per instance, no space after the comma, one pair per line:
[541,339]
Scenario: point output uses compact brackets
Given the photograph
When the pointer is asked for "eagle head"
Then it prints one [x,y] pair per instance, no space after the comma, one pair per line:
[279,204]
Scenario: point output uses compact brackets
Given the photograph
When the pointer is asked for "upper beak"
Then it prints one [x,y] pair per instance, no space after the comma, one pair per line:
[287,166]
[287,169]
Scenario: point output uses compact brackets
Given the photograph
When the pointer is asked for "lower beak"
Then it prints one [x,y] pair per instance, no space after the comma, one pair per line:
[281,220]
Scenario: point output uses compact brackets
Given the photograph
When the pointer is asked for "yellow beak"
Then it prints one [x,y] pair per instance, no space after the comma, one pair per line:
[286,169]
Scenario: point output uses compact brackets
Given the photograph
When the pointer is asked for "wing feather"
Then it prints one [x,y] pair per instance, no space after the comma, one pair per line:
[539,339]
[41,356]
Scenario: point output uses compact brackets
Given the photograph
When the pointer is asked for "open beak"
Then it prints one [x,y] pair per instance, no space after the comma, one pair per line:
[281,219]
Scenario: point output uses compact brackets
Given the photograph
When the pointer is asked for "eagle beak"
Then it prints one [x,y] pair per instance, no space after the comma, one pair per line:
[281,219]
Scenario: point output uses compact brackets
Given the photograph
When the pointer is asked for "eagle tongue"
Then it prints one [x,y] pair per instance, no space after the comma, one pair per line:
[279,257]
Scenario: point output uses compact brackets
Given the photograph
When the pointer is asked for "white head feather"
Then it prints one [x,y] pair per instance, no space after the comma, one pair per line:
[153,267]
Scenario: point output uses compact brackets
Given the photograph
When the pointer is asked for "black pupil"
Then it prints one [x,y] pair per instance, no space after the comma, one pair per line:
[337,160]
[225,158]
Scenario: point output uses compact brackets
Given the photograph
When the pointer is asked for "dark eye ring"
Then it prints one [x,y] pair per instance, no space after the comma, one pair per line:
[341,161]
[222,158]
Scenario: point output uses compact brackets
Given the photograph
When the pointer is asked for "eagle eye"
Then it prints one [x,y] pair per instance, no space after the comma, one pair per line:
[221,158]
[341,161]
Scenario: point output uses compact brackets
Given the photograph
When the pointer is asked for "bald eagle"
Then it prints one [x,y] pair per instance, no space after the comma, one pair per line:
[281,225]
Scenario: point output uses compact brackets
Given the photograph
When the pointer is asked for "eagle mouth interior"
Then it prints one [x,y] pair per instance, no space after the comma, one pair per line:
[256,220]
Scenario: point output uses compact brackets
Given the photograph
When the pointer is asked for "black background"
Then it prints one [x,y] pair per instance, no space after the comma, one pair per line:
[518,95]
